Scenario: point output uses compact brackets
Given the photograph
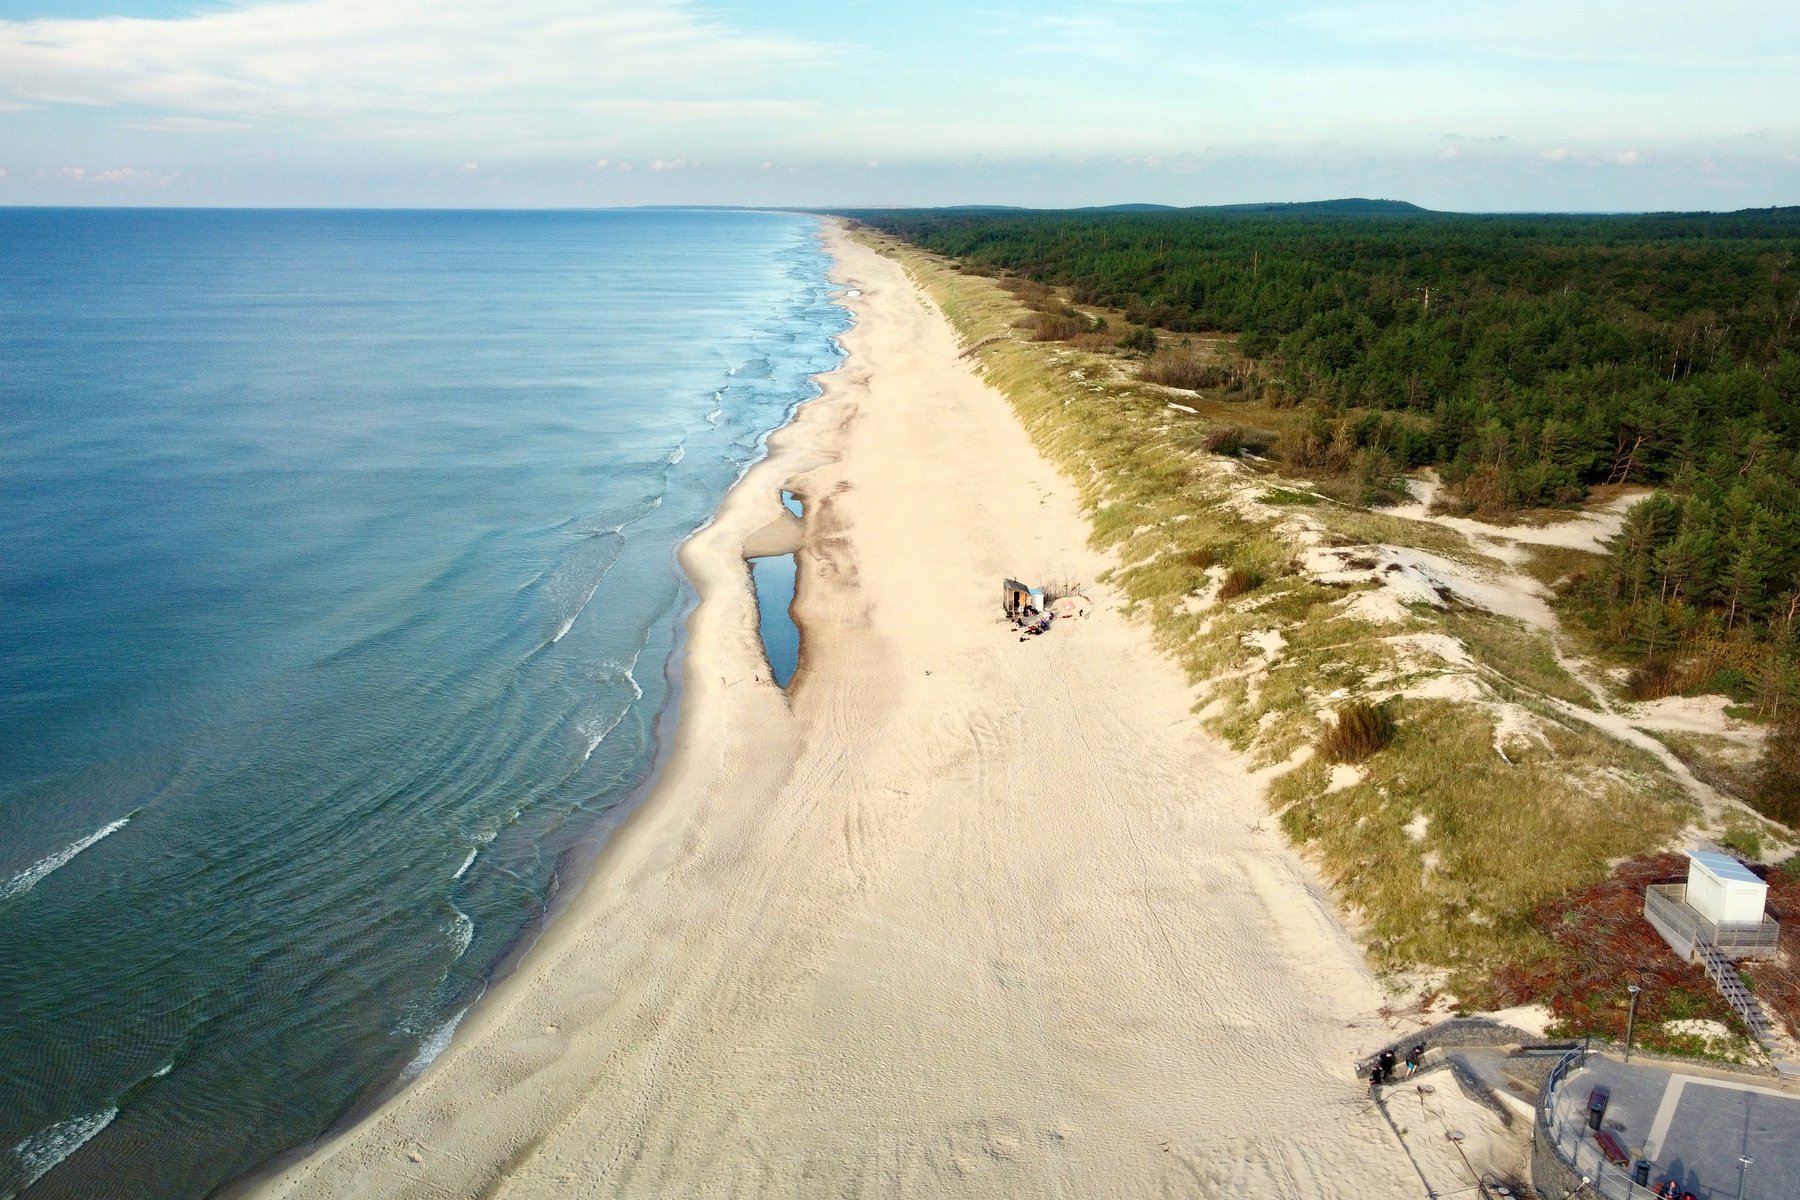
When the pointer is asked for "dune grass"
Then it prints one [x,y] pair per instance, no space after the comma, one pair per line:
[1458,887]
[1521,656]
[1552,565]
[1279,655]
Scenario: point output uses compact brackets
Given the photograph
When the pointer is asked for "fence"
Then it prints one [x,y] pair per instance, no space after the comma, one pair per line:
[1565,1156]
[1666,908]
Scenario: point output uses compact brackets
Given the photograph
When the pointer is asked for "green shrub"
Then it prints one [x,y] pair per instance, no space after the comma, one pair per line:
[1777,791]
[1745,841]
[1140,338]
[1728,681]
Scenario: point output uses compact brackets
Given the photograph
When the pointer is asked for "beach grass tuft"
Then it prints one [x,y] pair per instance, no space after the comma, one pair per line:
[1360,730]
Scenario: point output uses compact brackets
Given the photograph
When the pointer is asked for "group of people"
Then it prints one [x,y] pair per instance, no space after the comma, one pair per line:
[1670,1190]
[1383,1070]
[1031,622]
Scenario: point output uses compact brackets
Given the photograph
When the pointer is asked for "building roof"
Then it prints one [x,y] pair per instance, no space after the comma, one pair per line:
[1723,866]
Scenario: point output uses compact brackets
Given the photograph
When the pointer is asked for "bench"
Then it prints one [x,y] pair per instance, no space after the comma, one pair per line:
[1609,1146]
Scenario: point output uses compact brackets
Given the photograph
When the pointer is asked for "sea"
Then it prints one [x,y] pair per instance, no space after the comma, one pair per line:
[340,621]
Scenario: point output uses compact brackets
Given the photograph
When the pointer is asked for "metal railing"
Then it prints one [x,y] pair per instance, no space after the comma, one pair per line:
[1573,1144]
[1666,907]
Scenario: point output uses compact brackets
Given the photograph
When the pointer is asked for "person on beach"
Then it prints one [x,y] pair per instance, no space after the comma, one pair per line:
[1384,1066]
[1412,1058]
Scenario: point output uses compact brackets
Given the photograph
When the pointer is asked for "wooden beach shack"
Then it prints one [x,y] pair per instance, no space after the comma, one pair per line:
[1016,597]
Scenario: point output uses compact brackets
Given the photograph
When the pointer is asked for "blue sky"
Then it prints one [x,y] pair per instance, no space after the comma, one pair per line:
[1457,104]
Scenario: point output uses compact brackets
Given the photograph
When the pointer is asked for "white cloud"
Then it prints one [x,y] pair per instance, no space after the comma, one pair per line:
[189,125]
[469,168]
[760,112]
[1588,158]
[133,176]
[527,67]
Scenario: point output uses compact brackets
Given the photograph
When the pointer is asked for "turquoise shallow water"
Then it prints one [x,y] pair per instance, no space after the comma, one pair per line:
[773,578]
[337,605]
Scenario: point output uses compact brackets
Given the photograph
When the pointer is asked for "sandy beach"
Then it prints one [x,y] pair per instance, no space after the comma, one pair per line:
[959,915]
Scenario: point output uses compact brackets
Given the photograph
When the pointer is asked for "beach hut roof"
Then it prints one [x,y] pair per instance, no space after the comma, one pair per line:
[1723,866]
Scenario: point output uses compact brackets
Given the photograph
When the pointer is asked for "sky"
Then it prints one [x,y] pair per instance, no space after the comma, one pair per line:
[1470,105]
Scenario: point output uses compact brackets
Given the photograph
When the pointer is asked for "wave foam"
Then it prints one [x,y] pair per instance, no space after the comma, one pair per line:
[432,1045]
[27,879]
[596,733]
[44,1150]
[462,930]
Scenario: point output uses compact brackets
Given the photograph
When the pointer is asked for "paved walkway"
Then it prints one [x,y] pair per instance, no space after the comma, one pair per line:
[1694,1127]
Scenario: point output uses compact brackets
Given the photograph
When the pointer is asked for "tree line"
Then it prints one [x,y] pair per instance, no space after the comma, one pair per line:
[1540,355]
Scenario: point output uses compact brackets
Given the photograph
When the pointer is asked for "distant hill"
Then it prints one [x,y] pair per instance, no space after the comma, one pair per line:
[1354,206]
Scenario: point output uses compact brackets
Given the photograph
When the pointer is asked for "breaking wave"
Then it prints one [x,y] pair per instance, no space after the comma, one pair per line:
[27,879]
[40,1153]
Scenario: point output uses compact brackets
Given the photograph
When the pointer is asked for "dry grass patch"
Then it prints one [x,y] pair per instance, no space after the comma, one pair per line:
[1184,370]
[1516,652]
[1715,761]
[1361,525]
[1447,850]
[1553,566]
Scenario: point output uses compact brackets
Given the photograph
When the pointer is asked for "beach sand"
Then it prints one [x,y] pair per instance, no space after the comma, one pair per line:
[959,916]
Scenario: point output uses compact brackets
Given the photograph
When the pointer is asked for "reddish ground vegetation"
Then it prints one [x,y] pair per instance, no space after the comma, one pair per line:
[1776,981]
[1599,943]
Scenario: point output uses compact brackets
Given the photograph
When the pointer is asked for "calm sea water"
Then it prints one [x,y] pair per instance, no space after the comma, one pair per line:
[338,600]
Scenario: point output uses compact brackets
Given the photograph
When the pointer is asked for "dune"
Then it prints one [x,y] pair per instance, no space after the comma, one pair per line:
[956,915]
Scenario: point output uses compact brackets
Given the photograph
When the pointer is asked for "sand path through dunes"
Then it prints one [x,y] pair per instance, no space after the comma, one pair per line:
[963,916]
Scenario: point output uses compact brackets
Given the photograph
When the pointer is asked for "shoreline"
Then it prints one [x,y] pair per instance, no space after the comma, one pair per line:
[955,913]
[582,861]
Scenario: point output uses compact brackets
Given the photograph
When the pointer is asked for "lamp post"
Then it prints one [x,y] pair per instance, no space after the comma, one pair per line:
[1744,1161]
[1631,1019]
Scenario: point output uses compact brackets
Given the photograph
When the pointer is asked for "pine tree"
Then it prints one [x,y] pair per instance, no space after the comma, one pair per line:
[1647,525]
[1748,569]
